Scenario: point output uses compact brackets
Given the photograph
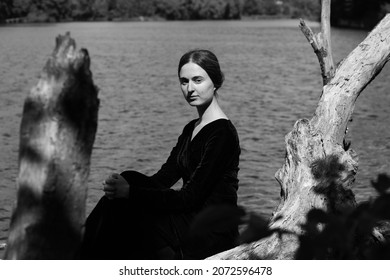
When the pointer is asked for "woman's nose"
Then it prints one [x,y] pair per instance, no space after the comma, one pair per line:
[190,87]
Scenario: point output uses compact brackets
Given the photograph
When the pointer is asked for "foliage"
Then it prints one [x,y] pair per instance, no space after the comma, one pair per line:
[42,10]
[5,9]
[358,12]
[349,233]
[198,9]
[80,9]
[261,7]
[169,9]
[305,9]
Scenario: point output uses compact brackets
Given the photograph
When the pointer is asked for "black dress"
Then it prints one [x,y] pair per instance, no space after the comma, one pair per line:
[156,216]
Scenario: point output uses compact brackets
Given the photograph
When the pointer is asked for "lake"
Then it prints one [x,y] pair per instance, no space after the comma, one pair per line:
[272,80]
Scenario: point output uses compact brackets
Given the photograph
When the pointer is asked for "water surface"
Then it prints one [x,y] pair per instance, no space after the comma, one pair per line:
[272,80]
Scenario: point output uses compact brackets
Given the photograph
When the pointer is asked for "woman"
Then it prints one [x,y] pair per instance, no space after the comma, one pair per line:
[141,217]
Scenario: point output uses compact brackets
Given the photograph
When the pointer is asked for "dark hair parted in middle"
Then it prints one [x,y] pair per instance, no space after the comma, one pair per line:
[208,61]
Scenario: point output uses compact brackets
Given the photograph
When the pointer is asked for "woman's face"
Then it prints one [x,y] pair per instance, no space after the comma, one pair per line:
[196,85]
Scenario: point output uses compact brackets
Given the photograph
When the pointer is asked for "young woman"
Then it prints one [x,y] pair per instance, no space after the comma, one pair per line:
[141,217]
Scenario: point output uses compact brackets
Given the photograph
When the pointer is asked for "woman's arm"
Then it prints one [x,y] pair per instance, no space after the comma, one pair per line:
[165,178]
[169,172]
[220,149]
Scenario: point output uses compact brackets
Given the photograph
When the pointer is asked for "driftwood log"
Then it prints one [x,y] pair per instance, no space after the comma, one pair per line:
[318,138]
[56,137]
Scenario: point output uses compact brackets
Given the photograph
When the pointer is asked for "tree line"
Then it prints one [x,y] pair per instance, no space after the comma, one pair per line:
[84,10]
[356,13]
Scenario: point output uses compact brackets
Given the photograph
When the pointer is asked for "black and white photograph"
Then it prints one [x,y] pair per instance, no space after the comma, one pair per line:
[187,130]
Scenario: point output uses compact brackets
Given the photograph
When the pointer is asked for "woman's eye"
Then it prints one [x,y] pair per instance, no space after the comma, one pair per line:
[198,81]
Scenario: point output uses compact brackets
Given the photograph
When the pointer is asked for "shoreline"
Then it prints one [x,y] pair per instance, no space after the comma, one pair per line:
[25,20]
[311,22]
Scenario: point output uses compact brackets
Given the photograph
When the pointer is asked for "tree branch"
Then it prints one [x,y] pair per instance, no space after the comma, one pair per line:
[321,42]
[318,139]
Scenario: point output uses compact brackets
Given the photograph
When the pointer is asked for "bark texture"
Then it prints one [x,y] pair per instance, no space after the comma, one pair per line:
[319,138]
[321,42]
[56,137]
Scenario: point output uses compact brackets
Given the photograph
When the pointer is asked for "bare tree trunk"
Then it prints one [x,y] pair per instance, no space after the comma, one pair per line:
[318,138]
[56,137]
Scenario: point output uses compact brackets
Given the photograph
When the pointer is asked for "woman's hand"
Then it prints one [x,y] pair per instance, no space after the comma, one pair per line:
[115,186]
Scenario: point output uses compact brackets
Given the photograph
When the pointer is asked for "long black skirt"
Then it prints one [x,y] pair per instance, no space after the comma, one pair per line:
[117,230]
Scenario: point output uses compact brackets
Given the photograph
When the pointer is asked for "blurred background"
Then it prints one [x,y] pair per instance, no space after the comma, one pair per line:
[272,80]
[349,13]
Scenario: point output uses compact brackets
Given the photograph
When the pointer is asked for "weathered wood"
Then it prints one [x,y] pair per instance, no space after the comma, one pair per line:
[321,42]
[56,137]
[315,139]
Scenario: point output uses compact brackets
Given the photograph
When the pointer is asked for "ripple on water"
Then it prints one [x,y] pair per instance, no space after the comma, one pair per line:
[272,80]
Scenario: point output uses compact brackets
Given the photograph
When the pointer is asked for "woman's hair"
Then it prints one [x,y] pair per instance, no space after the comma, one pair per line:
[208,61]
